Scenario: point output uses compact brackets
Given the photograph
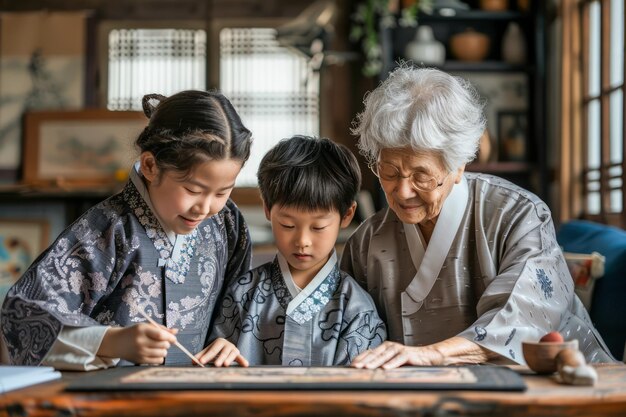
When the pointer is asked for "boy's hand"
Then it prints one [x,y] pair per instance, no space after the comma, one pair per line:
[222,353]
[140,343]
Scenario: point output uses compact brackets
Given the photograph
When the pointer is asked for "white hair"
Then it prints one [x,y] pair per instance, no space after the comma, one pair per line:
[425,109]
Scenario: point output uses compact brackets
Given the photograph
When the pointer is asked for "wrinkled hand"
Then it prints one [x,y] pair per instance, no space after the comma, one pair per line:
[391,355]
[141,343]
[222,353]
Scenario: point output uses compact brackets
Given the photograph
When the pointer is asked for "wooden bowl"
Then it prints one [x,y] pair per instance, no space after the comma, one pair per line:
[541,356]
[469,45]
[494,5]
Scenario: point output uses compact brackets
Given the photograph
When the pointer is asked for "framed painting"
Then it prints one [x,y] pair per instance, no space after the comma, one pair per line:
[42,66]
[81,146]
[21,241]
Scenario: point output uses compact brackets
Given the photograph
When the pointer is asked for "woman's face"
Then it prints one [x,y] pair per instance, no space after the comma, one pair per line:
[413,206]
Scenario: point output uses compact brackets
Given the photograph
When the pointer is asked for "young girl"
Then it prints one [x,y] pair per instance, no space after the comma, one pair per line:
[164,246]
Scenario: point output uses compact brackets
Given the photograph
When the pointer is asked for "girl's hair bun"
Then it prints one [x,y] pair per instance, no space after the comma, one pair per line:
[150,102]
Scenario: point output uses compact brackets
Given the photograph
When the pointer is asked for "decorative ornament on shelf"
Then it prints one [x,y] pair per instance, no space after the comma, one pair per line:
[523,5]
[514,45]
[494,5]
[371,16]
[469,45]
[514,143]
[425,49]
[449,7]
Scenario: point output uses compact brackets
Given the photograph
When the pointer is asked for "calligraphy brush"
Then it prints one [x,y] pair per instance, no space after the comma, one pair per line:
[181,347]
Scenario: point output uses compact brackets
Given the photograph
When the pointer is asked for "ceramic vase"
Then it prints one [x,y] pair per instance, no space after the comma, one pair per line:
[523,5]
[514,143]
[425,48]
[494,5]
[513,45]
[469,45]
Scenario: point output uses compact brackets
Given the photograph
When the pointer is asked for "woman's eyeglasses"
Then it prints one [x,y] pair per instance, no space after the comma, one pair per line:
[419,180]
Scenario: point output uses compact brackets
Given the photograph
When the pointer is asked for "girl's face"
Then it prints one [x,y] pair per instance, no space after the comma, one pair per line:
[183,203]
[306,238]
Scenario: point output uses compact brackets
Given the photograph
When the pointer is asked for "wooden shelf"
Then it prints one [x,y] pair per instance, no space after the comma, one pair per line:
[20,192]
[479,15]
[494,78]
[500,167]
[479,66]
[483,66]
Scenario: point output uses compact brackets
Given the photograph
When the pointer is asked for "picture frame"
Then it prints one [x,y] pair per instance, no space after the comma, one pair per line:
[512,135]
[21,242]
[79,146]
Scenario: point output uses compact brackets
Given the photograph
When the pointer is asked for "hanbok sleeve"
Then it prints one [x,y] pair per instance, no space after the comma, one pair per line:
[227,324]
[75,350]
[356,252]
[361,327]
[61,288]
[532,292]
[239,244]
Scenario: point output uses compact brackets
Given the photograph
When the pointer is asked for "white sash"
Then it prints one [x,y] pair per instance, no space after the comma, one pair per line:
[428,261]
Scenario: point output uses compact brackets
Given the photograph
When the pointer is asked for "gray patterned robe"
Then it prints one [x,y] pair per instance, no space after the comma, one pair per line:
[115,259]
[329,322]
[492,273]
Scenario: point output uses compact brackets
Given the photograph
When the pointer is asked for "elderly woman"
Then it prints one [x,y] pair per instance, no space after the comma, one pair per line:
[463,267]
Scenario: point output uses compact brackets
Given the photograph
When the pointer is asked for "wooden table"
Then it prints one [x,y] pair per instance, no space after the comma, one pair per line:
[544,397]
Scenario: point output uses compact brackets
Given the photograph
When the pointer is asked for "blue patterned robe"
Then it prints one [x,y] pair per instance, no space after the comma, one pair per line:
[329,322]
[115,259]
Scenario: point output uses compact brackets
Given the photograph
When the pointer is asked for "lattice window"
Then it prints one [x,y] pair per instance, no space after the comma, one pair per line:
[163,61]
[274,90]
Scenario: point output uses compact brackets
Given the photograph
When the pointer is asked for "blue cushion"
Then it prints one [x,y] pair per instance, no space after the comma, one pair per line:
[608,306]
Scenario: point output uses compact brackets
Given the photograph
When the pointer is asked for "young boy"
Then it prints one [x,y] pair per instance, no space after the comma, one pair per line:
[300,309]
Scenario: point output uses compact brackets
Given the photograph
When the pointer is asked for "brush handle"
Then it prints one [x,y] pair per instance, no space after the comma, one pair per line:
[178,345]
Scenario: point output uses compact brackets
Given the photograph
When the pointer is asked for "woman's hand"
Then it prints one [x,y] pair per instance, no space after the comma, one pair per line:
[391,355]
[455,350]
[140,343]
[222,353]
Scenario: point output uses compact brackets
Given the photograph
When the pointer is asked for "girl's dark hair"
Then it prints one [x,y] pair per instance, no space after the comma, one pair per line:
[191,127]
[310,174]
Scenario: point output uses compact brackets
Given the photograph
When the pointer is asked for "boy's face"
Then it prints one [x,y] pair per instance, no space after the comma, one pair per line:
[306,238]
[183,204]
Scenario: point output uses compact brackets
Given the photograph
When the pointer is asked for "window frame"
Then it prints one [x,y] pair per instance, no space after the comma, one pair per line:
[106,26]
[242,195]
[574,116]
[246,196]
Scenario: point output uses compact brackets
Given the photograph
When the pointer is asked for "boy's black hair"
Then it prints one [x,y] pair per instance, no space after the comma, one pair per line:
[310,174]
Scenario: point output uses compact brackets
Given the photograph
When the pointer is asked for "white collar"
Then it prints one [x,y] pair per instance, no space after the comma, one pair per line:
[298,294]
[137,178]
[429,260]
